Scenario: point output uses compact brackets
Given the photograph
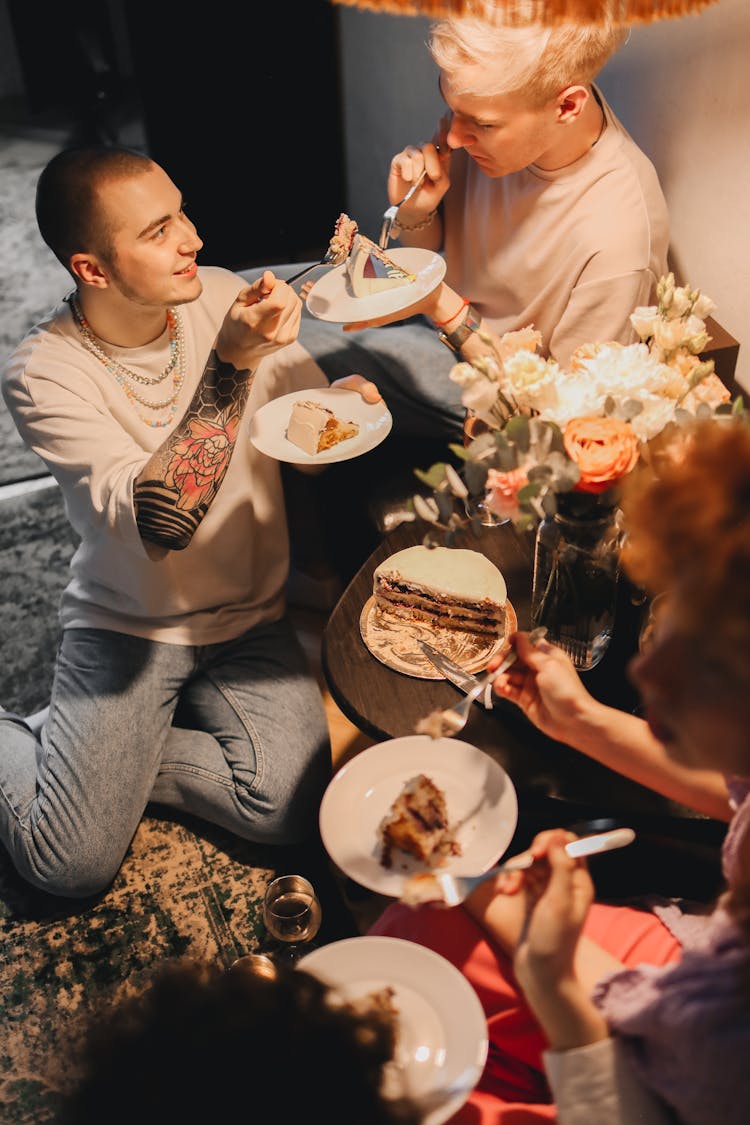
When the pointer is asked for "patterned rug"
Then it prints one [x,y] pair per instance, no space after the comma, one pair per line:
[185,890]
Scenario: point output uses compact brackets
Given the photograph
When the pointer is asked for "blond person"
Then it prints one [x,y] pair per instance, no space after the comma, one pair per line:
[545,209]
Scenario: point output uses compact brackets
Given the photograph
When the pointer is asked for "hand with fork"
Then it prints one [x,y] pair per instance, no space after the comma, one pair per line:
[426,169]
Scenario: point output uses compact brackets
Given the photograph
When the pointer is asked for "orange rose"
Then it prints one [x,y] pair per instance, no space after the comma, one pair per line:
[604,449]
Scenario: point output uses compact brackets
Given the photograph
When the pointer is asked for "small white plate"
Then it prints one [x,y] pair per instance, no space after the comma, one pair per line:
[441,1044]
[331,299]
[480,797]
[268,425]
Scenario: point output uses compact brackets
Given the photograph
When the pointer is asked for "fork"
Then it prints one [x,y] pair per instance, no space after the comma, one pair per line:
[390,213]
[331,258]
[445,889]
[452,720]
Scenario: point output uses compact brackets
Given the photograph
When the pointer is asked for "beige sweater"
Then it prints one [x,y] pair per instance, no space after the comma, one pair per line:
[71,412]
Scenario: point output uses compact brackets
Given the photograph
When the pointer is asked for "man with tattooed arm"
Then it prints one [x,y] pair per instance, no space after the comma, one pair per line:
[179,678]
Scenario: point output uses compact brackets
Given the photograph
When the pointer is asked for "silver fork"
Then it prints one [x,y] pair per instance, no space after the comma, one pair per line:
[330,259]
[445,889]
[452,720]
[390,213]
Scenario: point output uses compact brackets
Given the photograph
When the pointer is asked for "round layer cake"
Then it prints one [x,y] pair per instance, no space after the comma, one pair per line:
[450,587]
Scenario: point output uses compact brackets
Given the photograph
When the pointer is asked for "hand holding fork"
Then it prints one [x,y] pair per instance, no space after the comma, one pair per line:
[452,720]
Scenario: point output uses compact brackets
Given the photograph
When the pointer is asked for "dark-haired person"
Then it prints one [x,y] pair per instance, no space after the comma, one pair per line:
[200,1044]
[179,678]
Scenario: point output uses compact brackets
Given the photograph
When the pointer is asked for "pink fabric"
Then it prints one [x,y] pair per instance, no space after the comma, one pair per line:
[513,1089]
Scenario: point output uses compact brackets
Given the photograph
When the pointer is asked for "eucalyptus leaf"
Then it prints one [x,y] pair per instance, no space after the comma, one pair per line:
[432,477]
[459,451]
[475,475]
[528,492]
[456,485]
[426,508]
[444,502]
[540,473]
[517,430]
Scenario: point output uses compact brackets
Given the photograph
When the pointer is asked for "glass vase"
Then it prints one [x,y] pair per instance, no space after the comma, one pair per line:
[576,569]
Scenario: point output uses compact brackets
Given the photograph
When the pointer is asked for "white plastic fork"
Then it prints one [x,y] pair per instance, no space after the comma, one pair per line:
[390,213]
[445,889]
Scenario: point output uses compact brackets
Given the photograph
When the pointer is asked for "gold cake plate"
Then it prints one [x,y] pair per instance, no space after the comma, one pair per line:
[395,642]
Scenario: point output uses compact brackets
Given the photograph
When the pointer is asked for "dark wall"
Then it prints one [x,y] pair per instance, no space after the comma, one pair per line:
[241,107]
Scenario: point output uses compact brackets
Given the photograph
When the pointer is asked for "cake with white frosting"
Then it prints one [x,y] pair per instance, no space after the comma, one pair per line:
[312,427]
[417,823]
[448,587]
[370,270]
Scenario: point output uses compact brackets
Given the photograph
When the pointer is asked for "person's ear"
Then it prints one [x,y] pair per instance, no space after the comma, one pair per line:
[570,104]
[88,268]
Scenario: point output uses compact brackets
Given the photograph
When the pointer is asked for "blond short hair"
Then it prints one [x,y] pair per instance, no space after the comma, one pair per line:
[537,62]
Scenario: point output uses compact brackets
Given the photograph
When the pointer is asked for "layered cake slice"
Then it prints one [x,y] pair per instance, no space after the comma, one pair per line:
[313,427]
[342,239]
[448,587]
[417,823]
[370,270]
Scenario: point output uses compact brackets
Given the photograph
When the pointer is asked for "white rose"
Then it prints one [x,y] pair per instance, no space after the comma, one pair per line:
[703,307]
[644,320]
[682,302]
[669,334]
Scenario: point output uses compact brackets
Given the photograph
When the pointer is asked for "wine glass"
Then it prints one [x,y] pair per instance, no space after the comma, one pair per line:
[292,916]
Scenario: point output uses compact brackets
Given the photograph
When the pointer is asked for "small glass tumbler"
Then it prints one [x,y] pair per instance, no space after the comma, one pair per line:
[292,917]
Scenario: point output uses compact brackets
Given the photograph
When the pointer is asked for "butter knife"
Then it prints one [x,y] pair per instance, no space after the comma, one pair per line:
[453,672]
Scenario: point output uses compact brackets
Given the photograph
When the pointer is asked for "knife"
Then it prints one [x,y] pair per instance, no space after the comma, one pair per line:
[448,668]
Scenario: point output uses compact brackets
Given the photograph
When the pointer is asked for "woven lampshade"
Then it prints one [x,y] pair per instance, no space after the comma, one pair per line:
[540,11]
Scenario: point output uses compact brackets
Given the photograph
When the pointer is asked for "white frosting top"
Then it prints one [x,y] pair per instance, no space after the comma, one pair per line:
[306,422]
[447,570]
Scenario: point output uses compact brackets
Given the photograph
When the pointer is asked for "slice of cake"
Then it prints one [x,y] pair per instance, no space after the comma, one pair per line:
[417,823]
[371,271]
[449,587]
[342,239]
[313,427]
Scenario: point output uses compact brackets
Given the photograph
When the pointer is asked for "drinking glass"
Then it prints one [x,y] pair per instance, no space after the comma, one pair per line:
[292,917]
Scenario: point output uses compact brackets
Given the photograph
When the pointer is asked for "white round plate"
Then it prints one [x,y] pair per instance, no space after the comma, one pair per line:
[441,1044]
[268,425]
[331,299]
[480,797]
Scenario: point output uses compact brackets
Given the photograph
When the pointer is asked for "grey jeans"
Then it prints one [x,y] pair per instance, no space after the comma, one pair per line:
[234,733]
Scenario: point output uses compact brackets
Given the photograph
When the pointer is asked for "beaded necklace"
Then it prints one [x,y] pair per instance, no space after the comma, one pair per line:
[125,377]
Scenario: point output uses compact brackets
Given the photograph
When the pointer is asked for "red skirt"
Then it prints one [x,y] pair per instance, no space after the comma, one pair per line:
[513,1089]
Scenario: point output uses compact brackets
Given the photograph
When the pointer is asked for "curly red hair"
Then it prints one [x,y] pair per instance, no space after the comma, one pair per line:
[687,518]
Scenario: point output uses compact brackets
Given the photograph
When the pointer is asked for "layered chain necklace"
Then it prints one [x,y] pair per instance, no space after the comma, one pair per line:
[128,379]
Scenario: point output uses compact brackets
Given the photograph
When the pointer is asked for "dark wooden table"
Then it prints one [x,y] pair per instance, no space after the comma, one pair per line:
[564,786]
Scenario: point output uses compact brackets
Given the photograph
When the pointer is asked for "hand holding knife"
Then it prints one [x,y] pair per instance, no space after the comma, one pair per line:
[464,680]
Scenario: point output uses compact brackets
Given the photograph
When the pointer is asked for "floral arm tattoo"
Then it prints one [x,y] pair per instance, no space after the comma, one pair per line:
[174,490]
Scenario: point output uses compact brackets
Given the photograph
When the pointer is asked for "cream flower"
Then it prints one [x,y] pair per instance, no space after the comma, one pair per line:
[644,320]
[481,397]
[531,379]
[466,375]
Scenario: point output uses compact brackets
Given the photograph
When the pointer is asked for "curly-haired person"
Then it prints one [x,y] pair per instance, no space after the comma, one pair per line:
[631,1016]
